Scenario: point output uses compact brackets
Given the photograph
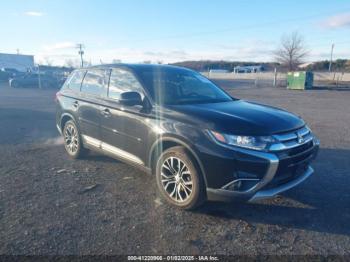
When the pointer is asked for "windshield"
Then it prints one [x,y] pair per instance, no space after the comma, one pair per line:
[175,86]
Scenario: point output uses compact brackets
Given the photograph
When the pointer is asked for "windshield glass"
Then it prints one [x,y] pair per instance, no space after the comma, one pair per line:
[175,86]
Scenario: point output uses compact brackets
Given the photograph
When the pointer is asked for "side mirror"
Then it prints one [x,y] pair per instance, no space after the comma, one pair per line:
[130,98]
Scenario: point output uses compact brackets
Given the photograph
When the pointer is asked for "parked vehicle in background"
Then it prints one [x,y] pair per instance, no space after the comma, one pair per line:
[198,141]
[3,76]
[7,73]
[10,71]
[32,80]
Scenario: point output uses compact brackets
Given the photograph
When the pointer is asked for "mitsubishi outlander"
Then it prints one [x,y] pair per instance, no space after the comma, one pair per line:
[199,142]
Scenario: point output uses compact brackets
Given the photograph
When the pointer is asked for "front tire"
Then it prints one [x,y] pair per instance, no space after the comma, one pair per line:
[179,179]
[72,140]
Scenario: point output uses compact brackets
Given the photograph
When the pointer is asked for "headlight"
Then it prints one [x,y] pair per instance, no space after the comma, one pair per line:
[251,142]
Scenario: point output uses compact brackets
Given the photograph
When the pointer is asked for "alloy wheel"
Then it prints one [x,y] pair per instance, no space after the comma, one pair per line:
[71,139]
[176,179]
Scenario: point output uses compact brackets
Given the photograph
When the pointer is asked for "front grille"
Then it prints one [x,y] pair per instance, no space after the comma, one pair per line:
[293,139]
[294,157]
[300,149]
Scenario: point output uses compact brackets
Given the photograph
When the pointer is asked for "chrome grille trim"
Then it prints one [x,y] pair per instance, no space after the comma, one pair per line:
[304,131]
[286,137]
[290,140]
[292,135]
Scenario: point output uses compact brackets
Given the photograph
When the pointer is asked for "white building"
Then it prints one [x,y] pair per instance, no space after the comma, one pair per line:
[21,63]
[218,71]
[305,65]
[248,69]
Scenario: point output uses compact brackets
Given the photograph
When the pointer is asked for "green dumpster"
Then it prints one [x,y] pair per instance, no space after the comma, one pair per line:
[300,80]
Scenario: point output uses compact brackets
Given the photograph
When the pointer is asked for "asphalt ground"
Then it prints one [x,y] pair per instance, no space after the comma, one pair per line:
[52,205]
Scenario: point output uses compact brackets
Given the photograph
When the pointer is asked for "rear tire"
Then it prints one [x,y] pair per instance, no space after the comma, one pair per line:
[179,179]
[72,140]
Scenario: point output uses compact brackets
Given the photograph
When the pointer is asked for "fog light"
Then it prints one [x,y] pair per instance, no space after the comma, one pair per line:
[235,185]
[242,184]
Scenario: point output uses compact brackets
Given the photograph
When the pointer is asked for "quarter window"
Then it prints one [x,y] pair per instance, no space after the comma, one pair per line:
[123,81]
[75,80]
[94,83]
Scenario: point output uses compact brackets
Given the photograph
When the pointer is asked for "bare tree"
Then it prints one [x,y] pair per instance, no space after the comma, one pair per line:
[291,51]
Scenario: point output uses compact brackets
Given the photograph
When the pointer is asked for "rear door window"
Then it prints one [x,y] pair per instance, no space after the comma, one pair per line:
[95,83]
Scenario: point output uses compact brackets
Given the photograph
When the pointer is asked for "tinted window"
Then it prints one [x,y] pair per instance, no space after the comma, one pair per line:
[74,82]
[123,81]
[176,86]
[192,87]
[94,83]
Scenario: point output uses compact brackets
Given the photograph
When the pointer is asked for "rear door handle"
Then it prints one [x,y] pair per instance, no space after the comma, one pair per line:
[106,112]
[75,104]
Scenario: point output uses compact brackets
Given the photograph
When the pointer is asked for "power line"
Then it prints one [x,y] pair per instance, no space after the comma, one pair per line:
[252,26]
[337,43]
[330,62]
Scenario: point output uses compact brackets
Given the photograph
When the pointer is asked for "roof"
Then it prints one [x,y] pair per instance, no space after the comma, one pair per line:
[249,66]
[305,64]
[15,55]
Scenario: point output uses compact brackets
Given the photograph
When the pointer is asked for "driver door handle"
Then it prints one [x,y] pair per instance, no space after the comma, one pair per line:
[75,104]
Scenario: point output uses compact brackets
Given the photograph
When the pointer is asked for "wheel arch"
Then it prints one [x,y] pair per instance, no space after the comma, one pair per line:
[65,118]
[163,143]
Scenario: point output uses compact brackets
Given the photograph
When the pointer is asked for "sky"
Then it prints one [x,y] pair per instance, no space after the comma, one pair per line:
[171,30]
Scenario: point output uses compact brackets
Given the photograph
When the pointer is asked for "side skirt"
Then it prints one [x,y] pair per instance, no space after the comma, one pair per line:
[114,152]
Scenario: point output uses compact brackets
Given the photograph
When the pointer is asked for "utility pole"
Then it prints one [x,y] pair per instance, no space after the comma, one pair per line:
[81,53]
[275,78]
[39,77]
[330,63]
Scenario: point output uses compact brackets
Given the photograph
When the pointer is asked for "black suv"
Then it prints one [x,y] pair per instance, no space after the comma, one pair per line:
[198,141]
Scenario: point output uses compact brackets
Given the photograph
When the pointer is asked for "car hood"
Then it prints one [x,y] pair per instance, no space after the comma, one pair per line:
[239,117]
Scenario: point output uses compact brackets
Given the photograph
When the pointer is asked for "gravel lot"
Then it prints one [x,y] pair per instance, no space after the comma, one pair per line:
[50,204]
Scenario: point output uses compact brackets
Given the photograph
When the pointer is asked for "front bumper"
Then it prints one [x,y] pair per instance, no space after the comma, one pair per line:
[255,195]
[59,129]
[279,189]
[282,173]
